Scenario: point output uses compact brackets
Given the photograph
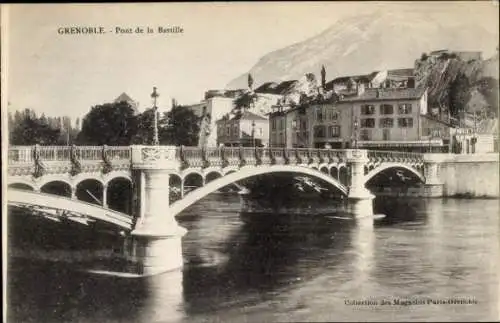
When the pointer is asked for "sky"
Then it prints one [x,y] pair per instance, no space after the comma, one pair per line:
[68,74]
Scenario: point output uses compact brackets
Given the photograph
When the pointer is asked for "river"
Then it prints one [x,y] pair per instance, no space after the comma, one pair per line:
[290,268]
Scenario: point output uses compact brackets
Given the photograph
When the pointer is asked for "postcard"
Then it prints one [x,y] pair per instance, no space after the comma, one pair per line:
[250,162]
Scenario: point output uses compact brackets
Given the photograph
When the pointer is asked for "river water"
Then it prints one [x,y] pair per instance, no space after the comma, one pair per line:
[290,268]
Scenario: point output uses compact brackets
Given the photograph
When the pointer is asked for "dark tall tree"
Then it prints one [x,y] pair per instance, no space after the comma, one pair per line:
[244,101]
[250,81]
[179,126]
[109,124]
[459,95]
[323,77]
[145,124]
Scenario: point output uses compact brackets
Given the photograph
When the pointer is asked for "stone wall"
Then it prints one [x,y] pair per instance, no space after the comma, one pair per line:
[474,175]
[467,176]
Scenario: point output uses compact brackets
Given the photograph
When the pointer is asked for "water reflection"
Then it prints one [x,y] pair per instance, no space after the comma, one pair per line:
[288,268]
[262,256]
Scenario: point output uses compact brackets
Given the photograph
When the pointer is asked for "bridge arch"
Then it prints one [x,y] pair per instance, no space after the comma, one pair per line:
[343,175]
[245,172]
[334,172]
[119,194]
[190,173]
[229,169]
[21,185]
[90,190]
[54,178]
[211,176]
[372,173]
[82,177]
[116,174]
[58,187]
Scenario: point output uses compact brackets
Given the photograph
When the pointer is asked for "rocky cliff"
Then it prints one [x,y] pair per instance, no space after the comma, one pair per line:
[458,85]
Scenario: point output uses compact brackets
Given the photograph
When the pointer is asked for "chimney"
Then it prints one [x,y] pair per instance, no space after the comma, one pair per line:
[361,88]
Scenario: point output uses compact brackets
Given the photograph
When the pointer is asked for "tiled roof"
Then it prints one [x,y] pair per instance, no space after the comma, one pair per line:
[387,94]
[247,115]
[276,88]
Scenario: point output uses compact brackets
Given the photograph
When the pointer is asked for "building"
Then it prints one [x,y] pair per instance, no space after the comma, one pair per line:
[397,78]
[209,110]
[395,118]
[246,129]
[124,97]
[380,118]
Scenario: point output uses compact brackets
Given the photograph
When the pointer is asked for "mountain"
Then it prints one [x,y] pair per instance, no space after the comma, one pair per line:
[370,42]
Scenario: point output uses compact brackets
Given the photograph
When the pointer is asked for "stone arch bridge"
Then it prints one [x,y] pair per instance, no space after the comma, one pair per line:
[93,174]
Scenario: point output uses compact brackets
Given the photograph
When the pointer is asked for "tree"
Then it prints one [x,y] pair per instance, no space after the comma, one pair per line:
[250,81]
[179,126]
[30,130]
[144,133]
[488,87]
[323,77]
[244,101]
[109,124]
[458,95]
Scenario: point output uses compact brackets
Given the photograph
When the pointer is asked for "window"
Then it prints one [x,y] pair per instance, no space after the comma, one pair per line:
[333,115]
[405,122]
[386,109]
[303,124]
[282,124]
[319,114]
[386,123]
[386,134]
[366,134]
[273,124]
[228,130]
[319,131]
[334,131]
[368,123]
[235,133]
[294,124]
[367,109]
[404,109]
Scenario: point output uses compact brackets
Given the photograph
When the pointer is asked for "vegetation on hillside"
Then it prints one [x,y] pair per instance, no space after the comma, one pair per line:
[451,83]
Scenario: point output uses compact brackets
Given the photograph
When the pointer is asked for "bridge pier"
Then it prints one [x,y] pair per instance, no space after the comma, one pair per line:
[155,244]
[360,200]
[433,186]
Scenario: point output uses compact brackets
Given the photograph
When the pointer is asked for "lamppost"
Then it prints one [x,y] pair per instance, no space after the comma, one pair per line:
[154,96]
[356,133]
[253,133]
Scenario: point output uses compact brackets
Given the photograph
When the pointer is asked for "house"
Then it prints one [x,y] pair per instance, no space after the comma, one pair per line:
[209,111]
[397,78]
[395,118]
[381,118]
[124,97]
[245,129]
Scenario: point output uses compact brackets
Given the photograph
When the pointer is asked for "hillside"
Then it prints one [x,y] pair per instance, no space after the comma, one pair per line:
[458,85]
[361,44]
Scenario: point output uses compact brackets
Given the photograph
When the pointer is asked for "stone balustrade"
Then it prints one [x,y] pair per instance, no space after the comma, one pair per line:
[25,160]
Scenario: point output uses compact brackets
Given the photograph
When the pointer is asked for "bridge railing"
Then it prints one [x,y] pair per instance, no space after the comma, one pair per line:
[26,154]
[20,154]
[394,155]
